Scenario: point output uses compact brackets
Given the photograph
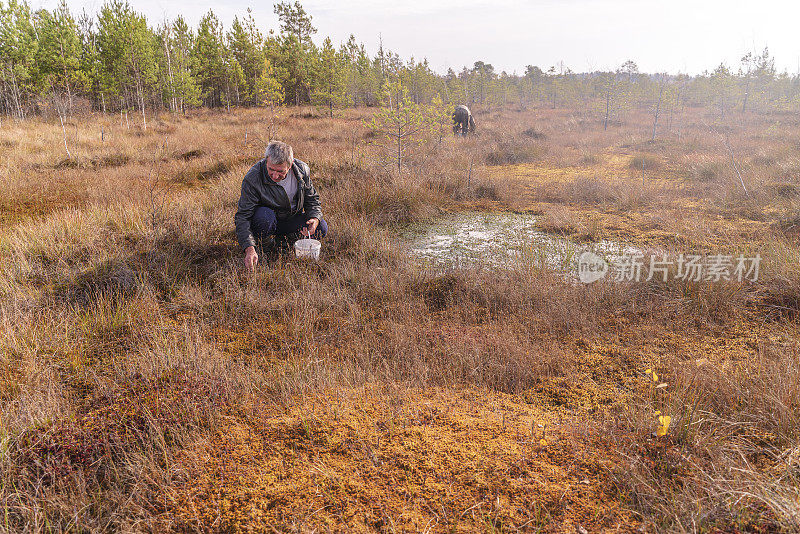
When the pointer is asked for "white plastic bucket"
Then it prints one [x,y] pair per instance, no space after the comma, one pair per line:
[307,248]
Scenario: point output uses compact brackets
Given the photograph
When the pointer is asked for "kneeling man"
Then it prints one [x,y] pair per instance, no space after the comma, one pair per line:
[278,199]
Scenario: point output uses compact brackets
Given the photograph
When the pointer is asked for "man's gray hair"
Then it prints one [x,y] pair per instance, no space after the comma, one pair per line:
[279,152]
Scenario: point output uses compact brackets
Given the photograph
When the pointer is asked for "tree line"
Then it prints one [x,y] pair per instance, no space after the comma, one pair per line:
[51,61]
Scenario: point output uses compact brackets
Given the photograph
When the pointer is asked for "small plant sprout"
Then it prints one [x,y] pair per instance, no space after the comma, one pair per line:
[663,420]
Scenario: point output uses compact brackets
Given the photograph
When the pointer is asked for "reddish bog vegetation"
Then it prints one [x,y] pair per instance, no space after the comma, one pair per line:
[148,383]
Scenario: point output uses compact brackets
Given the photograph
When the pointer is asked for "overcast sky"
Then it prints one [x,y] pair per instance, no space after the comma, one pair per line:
[668,35]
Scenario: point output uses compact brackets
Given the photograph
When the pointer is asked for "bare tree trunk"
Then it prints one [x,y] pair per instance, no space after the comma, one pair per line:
[7,106]
[680,113]
[173,100]
[671,116]
[61,113]
[17,95]
[399,150]
[608,109]
[144,116]
[66,80]
[736,167]
[140,90]
[658,109]
[228,93]
[746,92]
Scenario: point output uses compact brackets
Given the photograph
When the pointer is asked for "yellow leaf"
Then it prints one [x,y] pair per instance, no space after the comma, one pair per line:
[543,442]
[648,371]
[655,377]
[664,421]
[658,412]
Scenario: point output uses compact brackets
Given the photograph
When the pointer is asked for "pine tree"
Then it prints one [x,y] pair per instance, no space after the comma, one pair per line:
[59,54]
[268,89]
[247,46]
[90,60]
[722,88]
[128,54]
[330,87]
[401,125]
[235,84]
[210,70]
[295,22]
[18,45]
[483,73]
[421,81]
[185,88]
[297,51]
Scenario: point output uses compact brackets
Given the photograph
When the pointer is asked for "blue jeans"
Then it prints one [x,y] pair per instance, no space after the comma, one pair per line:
[264,224]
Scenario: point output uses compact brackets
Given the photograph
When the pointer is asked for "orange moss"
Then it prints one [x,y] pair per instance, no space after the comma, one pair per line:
[366,459]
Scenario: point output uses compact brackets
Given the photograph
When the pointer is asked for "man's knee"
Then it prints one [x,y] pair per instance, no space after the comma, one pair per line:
[264,222]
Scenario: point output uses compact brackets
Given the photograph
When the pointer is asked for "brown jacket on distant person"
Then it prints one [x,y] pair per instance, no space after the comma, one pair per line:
[463,121]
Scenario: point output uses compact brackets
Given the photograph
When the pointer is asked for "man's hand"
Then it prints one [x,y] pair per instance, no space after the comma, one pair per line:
[311,226]
[250,258]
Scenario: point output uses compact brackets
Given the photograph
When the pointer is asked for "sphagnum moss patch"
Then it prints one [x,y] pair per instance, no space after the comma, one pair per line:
[451,458]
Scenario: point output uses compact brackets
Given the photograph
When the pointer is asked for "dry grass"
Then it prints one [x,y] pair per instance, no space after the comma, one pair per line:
[148,383]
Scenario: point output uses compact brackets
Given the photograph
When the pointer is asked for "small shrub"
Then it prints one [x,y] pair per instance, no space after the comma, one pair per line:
[111,160]
[487,190]
[589,159]
[646,161]
[189,155]
[512,154]
[206,173]
[533,133]
[69,163]
[763,160]
[589,190]
[790,221]
[707,171]
[784,190]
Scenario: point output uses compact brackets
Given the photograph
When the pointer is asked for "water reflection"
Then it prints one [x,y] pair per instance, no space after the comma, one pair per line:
[508,240]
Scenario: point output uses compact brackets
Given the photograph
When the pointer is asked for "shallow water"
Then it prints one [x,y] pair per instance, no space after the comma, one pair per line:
[501,240]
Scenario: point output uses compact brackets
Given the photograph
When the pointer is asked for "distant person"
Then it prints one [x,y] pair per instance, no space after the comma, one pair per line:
[463,121]
[278,199]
